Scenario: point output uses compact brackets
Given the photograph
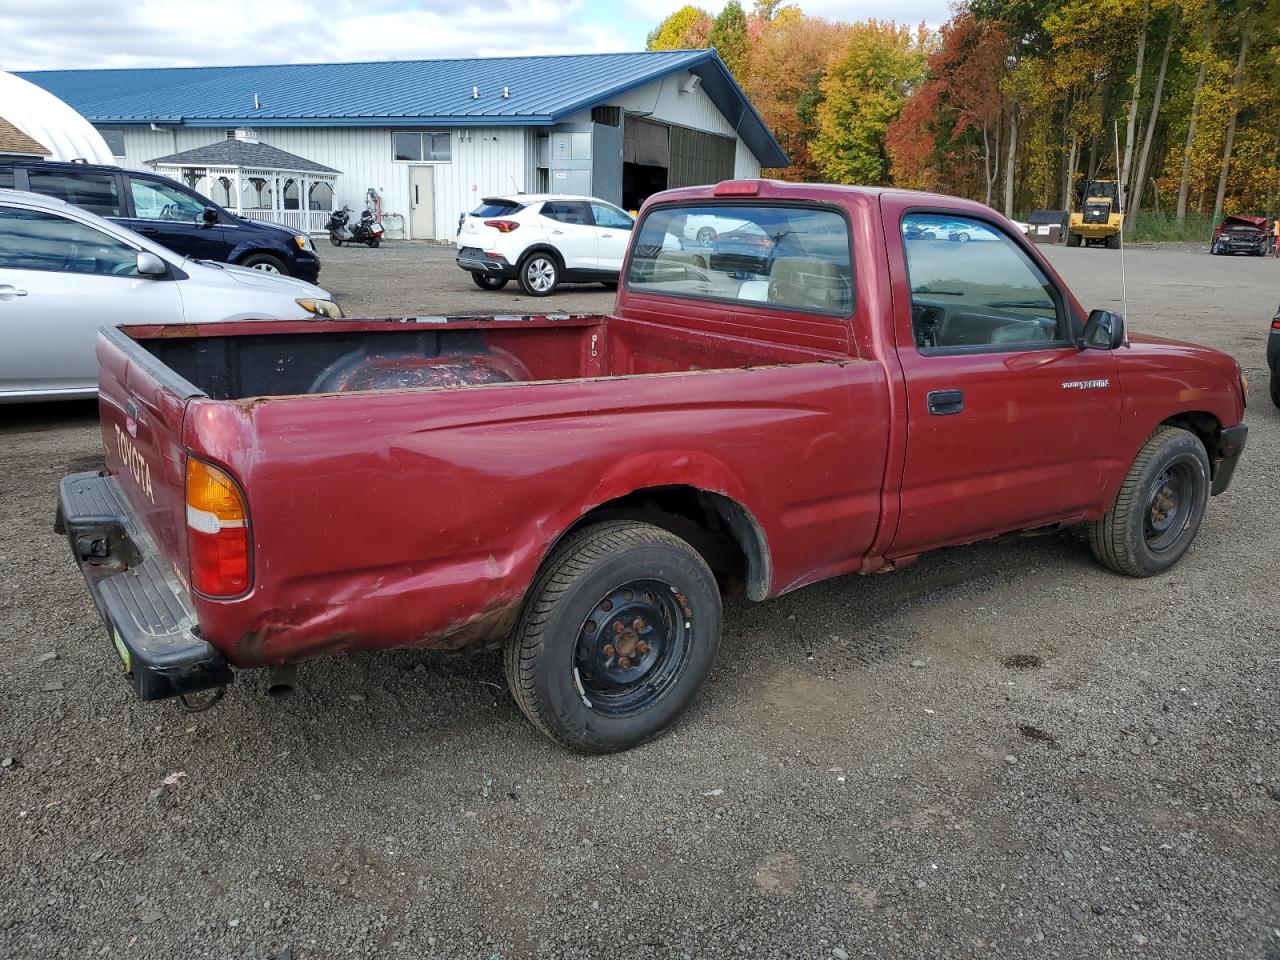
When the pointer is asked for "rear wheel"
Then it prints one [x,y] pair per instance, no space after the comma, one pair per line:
[373,244]
[1158,511]
[1073,239]
[616,637]
[487,281]
[539,274]
[265,262]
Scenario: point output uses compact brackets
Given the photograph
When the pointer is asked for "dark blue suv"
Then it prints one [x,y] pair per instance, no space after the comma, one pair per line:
[169,213]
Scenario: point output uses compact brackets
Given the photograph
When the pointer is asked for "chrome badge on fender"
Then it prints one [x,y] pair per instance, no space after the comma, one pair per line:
[1085,384]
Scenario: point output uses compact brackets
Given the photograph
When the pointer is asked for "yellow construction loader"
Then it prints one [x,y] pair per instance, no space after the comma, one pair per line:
[1099,220]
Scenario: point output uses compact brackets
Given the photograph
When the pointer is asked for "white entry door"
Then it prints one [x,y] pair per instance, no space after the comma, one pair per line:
[422,202]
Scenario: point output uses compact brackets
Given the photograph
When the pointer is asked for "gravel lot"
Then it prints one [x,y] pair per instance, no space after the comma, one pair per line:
[1003,751]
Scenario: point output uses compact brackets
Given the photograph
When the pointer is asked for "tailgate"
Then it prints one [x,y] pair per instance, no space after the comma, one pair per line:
[141,404]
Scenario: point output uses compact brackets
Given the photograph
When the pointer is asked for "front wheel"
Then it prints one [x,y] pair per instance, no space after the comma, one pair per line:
[616,637]
[1073,239]
[265,263]
[487,281]
[539,274]
[1275,388]
[1159,509]
[335,239]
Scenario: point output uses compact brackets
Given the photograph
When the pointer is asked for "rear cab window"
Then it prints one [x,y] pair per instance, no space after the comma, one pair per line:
[577,212]
[786,256]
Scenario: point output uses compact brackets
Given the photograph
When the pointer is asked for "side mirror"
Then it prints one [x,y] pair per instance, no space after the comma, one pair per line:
[210,215]
[1103,331]
[149,265]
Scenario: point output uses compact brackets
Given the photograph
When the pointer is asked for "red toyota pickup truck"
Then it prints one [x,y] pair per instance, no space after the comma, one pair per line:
[798,382]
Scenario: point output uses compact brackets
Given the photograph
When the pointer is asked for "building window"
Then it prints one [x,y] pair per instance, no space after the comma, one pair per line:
[115,140]
[419,147]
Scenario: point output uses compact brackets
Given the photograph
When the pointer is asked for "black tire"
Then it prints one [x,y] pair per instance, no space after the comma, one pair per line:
[1073,239]
[335,240]
[562,666]
[539,274]
[1275,388]
[1112,242]
[266,263]
[487,281]
[373,244]
[1148,528]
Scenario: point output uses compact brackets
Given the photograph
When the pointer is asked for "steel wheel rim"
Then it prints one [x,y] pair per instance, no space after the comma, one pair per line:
[541,274]
[1170,506]
[632,647]
[266,267]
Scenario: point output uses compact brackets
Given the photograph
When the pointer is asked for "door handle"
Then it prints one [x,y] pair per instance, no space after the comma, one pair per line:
[943,403]
[607,236]
[8,291]
[557,232]
[148,230]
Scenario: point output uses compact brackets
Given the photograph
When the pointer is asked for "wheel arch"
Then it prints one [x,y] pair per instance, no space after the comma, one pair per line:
[1204,426]
[719,527]
[542,246]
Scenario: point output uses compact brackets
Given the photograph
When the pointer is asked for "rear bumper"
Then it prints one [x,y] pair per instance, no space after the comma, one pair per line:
[1231,445]
[474,260]
[146,609]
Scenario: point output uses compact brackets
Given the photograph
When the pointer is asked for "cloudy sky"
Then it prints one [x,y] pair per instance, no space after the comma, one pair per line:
[67,34]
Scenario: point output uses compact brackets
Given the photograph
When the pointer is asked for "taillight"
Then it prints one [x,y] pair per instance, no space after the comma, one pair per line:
[217,532]
[1275,324]
[502,226]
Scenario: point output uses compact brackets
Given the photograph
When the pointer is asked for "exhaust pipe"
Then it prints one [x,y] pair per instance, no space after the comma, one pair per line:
[281,681]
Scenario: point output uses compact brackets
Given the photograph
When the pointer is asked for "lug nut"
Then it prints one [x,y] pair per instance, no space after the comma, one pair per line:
[618,627]
[642,647]
[638,624]
[624,662]
[608,651]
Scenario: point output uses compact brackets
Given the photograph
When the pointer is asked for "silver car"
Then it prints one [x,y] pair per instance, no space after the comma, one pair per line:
[65,272]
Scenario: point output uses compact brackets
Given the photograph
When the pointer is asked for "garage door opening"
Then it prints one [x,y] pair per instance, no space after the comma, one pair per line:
[640,181]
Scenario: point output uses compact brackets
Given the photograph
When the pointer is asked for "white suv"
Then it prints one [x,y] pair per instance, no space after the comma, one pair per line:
[543,240]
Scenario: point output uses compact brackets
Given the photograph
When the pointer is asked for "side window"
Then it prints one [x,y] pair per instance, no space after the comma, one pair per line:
[576,212]
[156,200]
[790,257]
[611,217]
[95,192]
[35,240]
[973,288]
[6,179]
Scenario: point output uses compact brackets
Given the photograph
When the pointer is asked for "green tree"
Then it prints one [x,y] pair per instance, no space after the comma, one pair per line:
[862,93]
[729,38]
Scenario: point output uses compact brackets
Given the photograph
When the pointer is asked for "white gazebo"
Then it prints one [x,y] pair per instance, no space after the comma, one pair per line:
[257,181]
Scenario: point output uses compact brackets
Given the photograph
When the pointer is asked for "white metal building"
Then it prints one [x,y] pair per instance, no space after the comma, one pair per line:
[433,137]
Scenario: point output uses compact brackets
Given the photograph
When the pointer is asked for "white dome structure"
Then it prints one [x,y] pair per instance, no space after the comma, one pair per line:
[46,119]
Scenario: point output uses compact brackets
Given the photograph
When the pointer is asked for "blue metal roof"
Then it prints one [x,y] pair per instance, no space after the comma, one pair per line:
[541,91]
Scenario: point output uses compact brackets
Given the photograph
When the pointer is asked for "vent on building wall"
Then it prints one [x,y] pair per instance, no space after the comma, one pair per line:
[247,134]
[607,116]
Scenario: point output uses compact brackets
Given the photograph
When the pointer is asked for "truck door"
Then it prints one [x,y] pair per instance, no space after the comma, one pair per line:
[1010,424]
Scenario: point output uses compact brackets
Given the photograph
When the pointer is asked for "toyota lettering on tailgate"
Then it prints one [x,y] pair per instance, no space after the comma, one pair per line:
[135,463]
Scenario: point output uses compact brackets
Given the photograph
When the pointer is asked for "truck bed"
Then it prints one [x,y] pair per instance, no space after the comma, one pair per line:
[247,360]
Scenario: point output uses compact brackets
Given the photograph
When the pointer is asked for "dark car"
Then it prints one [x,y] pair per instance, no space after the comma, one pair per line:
[1273,358]
[168,213]
[1241,234]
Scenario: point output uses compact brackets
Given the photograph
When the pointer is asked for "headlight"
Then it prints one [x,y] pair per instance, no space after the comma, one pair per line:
[321,308]
[303,242]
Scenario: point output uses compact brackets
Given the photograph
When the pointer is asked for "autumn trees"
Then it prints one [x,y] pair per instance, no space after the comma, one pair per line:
[1018,102]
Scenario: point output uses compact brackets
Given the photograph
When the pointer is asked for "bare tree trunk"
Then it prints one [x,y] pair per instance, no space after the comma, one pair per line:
[1131,126]
[1236,82]
[1145,157]
[1011,161]
[1068,201]
[986,163]
[1184,185]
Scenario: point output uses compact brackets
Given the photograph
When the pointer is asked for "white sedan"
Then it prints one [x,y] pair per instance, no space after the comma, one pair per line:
[66,272]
